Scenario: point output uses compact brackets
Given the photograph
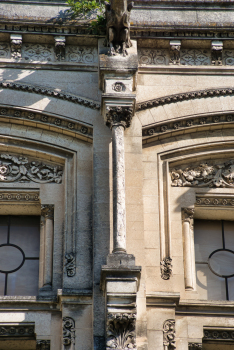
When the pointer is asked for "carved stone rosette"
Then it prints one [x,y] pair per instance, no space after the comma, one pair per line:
[195,346]
[47,210]
[70,264]
[43,345]
[120,115]
[169,335]
[121,331]
[68,332]
[166,268]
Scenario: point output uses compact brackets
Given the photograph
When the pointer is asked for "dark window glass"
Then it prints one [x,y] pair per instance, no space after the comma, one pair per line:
[19,254]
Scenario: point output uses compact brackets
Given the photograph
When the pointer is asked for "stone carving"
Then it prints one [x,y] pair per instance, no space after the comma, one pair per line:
[216,53]
[169,335]
[166,268]
[121,331]
[119,115]
[16,331]
[205,175]
[70,264]
[228,57]
[218,334]
[118,26]
[195,57]
[175,53]
[212,201]
[68,331]
[38,52]
[4,50]
[60,43]
[18,168]
[52,93]
[43,345]
[118,86]
[6,196]
[81,54]
[16,45]
[188,214]
[152,57]
[187,123]
[195,346]
[47,210]
[184,96]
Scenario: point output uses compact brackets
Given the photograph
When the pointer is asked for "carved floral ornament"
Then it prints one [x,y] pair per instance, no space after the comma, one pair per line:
[169,335]
[166,268]
[68,332]
[121,331]
[120,115]
[204,175]
[19,168]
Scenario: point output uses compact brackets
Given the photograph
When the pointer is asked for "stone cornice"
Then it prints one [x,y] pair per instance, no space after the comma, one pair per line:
[191,95]
[49,92]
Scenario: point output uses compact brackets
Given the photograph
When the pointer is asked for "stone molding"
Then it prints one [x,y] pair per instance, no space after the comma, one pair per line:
[19,169]
[20,330]
[52,93]
[161,101]
[119,115]
[46,119]
[215,201]
[169,335]
[185,123]
[68,332]
[19,196]
[70,264]
[166,268]
[218,334]
[121,331]
[43,345]
[204,175]
[47,210]
[195,346]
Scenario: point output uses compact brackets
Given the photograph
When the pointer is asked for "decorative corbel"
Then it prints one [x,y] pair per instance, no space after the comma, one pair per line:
[216,53]
[189,264]
[121,331]
[16,45]
[60,43]
[169,335]
[175,46]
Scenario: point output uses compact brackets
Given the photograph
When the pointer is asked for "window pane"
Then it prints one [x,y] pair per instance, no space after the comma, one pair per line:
[207,238]
[2,284]
[229,234]
[231,288]
[3,228]
[25,232]
[25,280]
[209,286]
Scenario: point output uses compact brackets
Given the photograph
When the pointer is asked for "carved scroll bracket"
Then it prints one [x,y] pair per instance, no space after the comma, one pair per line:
[169,335]
[16,45]
[68,332]
[70,264]
[166,268]
[60,43]
[216,52]
[175,46]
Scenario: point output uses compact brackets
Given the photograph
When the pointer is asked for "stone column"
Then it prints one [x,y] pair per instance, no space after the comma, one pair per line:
[189,269]
[118,118]
[48,212]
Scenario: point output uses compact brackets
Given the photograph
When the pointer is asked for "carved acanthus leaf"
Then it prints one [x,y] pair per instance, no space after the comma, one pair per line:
[205,175]
[169,334]
[70,264]
[121,331]
[18,168]
[68,331]
[119,115]
[166,268]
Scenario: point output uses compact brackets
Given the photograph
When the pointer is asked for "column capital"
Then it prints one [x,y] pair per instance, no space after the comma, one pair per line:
[47,210]
[187,214]
[119,115]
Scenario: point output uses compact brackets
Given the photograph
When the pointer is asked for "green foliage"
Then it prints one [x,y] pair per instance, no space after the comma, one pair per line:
[84,9]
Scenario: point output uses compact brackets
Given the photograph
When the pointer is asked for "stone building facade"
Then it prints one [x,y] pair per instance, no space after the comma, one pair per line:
[117,179]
